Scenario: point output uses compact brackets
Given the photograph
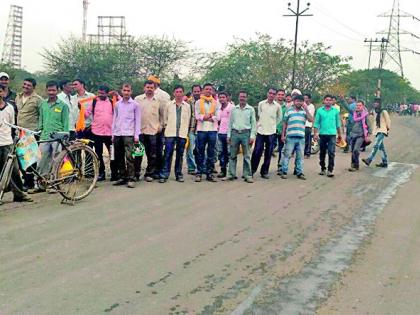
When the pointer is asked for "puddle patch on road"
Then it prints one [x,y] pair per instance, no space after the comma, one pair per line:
[302,293]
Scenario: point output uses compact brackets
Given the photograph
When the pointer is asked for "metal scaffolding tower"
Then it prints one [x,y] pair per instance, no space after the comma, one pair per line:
[85,11]
[111,31]
[12,48]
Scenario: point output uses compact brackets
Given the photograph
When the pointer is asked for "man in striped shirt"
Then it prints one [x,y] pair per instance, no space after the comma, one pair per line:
[293,135]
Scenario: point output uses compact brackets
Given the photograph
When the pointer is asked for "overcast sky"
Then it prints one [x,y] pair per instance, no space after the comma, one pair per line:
[209,25]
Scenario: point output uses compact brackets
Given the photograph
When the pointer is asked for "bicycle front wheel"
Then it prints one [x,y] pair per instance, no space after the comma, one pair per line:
[76,170]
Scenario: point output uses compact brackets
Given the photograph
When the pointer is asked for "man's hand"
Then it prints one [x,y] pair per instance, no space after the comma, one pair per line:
[304,106]
[251,141]
[136,141]
[316,137]
[283,138]
[339,138]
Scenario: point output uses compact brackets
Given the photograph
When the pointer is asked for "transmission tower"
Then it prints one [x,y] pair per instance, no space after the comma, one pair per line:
[12,48]
[85,11]
[111,31]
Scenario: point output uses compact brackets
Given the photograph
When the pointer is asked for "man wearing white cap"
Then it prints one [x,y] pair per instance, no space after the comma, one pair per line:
[10,95]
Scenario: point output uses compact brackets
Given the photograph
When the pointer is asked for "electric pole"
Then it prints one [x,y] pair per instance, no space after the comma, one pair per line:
[296,14]
[84,27]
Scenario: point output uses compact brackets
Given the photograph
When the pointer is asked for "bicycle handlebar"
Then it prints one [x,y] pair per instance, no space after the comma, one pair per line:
[21,128]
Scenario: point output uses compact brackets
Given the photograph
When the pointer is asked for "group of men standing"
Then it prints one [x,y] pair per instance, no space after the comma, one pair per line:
[208,125]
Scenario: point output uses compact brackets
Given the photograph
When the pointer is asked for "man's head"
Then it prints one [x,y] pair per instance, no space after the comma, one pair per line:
[103,91]
[79,86]
[196,91]
[280,96]
[334,99]
[307,98]
[223,98]
[208,89]
[328,100]
[351,99]
[29,85]
[149,88]
[126,91]
[66,86]
[271,94]
[360,106]
[4,79]
[155,79]
[298,100]
[288,98]
[377,103]
[179,93]
[2,91]
[243,97]
[52,89]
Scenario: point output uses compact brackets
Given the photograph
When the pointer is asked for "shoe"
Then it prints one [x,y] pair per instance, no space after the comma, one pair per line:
[283,175]
[180,179]
[162,180]
[294,172]
[131,184]
[25,189]
[114,178]
[24,198]
[229,178]
[210,178]
[322,173]
[101,178]
[265,176]
[148,179]
[366,161]
[36,190]
[382,164]
[192,172]
[346,151]
[214,172]
[301,176]
[307,156]
[197,178]
[120,182]
[249,180]
[221,175]
[330,174]
[279,173]
[353,169]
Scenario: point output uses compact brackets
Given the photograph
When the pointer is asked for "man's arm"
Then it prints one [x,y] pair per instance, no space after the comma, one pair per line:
[253,125]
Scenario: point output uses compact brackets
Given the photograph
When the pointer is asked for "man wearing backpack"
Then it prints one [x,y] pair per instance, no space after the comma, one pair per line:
[101,110]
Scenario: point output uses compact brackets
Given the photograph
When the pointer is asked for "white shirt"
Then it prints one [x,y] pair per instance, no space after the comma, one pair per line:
[6,114]
[269,115]
[311,110]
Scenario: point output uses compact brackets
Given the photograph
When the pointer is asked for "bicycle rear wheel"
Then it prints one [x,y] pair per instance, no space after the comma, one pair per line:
[76,170]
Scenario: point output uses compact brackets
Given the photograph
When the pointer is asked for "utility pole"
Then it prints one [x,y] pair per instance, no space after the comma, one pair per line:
[383,51]
[370,41]
[84,27]
[296,14]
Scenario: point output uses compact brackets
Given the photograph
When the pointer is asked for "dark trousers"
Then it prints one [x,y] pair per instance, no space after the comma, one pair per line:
[153,146]
[100,141]
[16,184]
[85,134]
[205,162]
[173,144]
[224,152]
[356,145]
[280,149]
[349,127]
[262,143]
[327,144]
[308,140]
[123,149]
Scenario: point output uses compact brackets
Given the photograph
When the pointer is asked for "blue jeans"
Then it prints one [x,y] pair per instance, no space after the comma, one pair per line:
[263,143]
[205,162]
[170,143]
[192,166]
[297,145]
[224,152]
[379,145]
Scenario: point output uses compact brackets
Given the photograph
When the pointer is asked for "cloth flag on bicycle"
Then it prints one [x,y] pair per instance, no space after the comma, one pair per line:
[27,150]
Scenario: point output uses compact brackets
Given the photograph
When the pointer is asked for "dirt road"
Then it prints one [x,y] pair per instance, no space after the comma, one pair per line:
[276,246]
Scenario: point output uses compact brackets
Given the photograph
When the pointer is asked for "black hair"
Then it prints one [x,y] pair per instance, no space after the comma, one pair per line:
[308,95]
[64,82]
[288,94]
[377,100]
[272,88]
[352,97]
[281,90]
[361,101]
[207,84]
[52,83]
[195,85]
[179,86]
[328,95]
[222,93]
[188,94]
[244,92]
[32,80]
[103,87]
[148,82]
[126,84]
[298,97]
[82,82]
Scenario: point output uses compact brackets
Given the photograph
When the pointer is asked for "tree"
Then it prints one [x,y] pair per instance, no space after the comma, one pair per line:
[256,64]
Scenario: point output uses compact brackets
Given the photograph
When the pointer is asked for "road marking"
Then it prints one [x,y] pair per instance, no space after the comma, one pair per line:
[386,172]
[301,293]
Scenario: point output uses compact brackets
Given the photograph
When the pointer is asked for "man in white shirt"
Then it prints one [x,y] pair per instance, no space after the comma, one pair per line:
[308,125]
[66,88]
[269,115]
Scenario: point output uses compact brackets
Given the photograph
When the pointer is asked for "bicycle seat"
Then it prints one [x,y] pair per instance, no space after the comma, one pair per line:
[63,136]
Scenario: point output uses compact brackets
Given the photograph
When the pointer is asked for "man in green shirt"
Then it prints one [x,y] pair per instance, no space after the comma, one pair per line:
[241,132]
[280,98]
[327,126]
[53,117]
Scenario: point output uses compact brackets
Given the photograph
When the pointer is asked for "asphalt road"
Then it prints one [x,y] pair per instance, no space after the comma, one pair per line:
[272,247]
